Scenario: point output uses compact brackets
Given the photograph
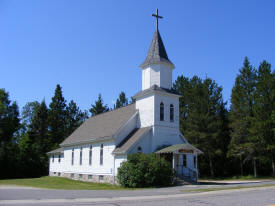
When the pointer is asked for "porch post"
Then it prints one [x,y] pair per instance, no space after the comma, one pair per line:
[197,166]
[173,163]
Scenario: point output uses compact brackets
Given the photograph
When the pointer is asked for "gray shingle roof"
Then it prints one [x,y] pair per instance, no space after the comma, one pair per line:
[56,151]
[102,126]
[130,140]
[155,88]
[176,147]
[156,53]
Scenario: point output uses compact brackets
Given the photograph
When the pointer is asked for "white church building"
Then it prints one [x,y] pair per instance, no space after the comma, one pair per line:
[95,150]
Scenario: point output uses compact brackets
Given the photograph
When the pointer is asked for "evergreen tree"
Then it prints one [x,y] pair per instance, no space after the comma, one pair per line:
[98,107]
[28,112]
[241,113]
[38,140]
[57,118]
[75,117]
[9,124]
[121,101]
[262,136]
[203,118]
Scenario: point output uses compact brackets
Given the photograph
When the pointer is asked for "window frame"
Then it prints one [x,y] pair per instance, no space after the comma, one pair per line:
[171,113]
[90,155]
[80,156]
[161,112]
[72,161]
[101,155]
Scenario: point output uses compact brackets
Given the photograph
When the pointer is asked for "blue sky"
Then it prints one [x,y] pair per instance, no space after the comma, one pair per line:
[91,47]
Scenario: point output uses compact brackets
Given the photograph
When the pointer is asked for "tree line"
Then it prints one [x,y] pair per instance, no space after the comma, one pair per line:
[236,138]
[26,138]
[239,140]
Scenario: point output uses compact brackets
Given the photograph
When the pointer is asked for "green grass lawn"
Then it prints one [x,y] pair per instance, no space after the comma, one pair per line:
[60,183]
[248,177]
[226,188]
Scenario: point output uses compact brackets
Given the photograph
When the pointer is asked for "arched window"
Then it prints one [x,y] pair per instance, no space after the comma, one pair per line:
[80,156]
[73,156]
[139,149]
[90,155]
[171,113]
[161,112]
[101,154]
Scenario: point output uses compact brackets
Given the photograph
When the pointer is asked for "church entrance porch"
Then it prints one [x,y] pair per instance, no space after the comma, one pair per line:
[184,159]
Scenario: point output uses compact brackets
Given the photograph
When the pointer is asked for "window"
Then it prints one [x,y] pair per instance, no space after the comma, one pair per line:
[100,177]
[73,156]
[59,158]
[80,156]
[139,149]
[161,112]
[80,176]
[101,154]
[184,160]
[195,160]
[90,177]
[171,113]
[53,158]
[72,175]
[59,174]
[90,155]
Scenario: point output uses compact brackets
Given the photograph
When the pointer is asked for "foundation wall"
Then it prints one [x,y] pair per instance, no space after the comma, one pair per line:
[86,177]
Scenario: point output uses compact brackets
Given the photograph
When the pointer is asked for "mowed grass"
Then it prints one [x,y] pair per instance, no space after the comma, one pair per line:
[60,183]
[237,178]
[227,188]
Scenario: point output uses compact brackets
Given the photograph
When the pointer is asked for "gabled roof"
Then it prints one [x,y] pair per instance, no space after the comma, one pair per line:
[155,88]
[130,140]
[175,148]
[56,151]
[102,126]
[157,53]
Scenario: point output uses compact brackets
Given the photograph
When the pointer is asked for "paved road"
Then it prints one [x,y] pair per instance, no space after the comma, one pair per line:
[163,196]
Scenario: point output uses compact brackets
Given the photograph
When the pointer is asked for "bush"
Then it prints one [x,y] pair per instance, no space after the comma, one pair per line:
[145,170]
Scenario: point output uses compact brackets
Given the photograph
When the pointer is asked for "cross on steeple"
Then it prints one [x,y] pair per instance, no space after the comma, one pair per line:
[157,18]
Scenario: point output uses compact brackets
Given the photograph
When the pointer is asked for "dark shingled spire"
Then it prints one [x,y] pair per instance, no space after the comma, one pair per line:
[157,53]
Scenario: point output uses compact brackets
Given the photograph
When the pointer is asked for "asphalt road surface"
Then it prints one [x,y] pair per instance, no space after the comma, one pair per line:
[263,196]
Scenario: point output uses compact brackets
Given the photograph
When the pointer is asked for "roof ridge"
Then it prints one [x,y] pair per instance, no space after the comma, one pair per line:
[111,110]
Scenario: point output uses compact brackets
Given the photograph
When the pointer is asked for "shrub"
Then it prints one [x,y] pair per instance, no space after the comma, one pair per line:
[145,170]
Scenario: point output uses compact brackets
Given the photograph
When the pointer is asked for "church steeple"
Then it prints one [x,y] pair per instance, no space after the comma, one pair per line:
[157,68]
[157,53]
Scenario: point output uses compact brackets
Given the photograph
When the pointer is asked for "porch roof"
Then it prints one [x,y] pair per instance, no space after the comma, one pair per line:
[181,148]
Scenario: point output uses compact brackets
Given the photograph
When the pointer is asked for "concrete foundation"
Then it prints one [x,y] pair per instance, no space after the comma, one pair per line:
[87,177]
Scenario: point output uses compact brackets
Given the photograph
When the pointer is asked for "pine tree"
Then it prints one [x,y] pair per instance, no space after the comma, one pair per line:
[98,107]
[241,113]
[57,118]
[38,139]
[75,117]
[28,112]
[262,137]
[203,117]
[121,101]
[9,124]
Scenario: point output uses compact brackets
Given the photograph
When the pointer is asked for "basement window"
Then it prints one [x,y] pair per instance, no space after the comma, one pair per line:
[100,177]
[80,176]
[90,177]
